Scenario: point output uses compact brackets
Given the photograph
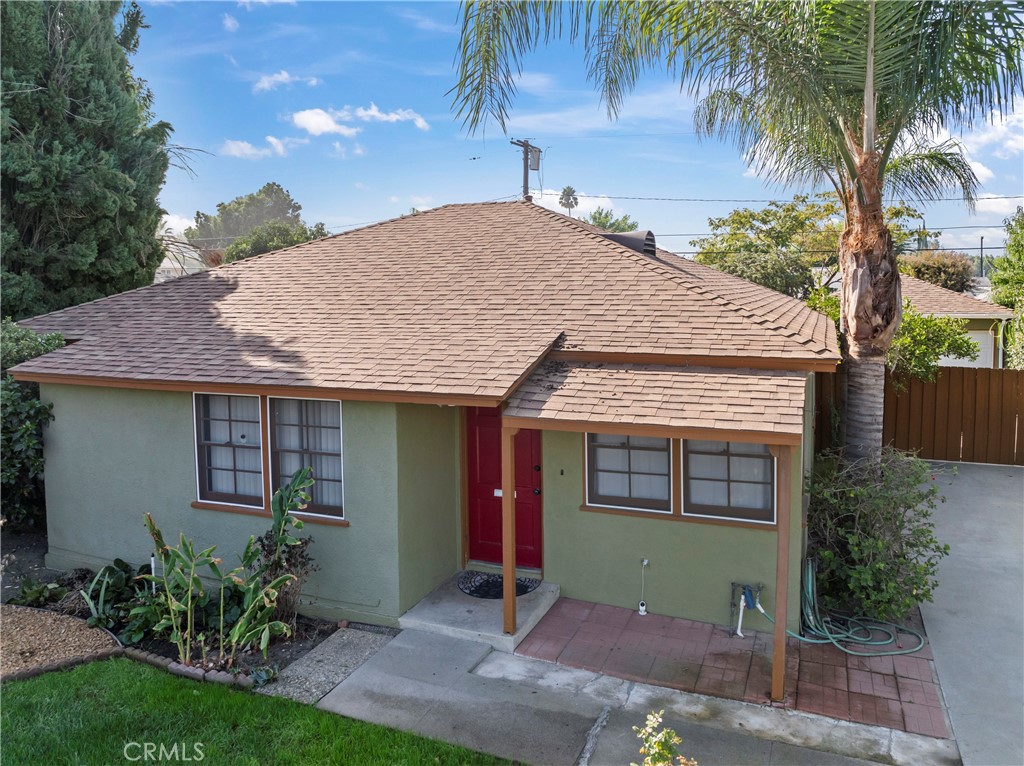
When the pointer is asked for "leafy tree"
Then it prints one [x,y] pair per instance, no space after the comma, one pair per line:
[242,215]
[569,200]
[83,158]
[606,220]
[838,91]
[779,245]
[22,419]
[1015,340]
[272,236]
[1007,275]
[921,341]
[945,268]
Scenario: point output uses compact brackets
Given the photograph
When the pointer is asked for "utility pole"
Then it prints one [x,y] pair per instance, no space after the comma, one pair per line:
[982,253]
[531,161]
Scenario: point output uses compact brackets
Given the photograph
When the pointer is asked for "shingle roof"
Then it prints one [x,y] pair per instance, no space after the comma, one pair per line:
[663,397]
[460,300]
[932,299]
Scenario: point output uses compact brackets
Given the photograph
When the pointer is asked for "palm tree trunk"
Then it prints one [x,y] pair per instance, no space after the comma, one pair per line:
[871,310]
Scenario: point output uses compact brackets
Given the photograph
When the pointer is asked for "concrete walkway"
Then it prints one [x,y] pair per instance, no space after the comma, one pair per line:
[976,623]
[462,691]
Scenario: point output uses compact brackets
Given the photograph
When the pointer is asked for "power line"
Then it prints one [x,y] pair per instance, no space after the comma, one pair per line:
[699,199]
[828,252]
[930,231]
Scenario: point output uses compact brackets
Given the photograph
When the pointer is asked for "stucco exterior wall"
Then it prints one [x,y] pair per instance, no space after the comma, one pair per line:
[597,556]
[986,333]
[428,499]
[113,455]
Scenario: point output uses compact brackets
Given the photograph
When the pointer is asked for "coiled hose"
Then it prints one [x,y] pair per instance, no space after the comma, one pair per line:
[829,628]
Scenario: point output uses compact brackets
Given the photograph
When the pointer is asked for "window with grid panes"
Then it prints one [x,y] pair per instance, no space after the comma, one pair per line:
[307,432]
[229,449]
[632,472]
[729,480]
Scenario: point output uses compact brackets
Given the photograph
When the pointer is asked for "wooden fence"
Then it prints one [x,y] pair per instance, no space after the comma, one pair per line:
[971,414]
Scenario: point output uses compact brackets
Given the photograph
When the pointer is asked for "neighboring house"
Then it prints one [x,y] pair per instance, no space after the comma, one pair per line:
[484,384]
[180,259]
[986,322]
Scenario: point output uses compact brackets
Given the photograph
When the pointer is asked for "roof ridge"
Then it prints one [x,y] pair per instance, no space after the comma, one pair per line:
[662,269]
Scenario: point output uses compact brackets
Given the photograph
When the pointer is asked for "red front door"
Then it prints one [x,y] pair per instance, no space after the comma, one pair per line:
[483,441]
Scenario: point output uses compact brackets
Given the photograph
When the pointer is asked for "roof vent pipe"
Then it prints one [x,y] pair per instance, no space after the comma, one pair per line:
[640,241]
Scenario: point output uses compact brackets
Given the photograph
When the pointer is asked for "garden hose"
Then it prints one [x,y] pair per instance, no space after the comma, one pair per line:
[829,628]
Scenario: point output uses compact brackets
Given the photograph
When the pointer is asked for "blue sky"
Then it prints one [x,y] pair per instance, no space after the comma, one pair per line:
[344,105]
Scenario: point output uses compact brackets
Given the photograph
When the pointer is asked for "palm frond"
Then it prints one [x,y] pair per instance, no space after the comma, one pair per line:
[925,173]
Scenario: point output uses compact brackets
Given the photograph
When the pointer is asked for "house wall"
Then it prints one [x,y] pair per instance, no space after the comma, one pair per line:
[114,454]
[597,556]
[984,332]
[429,488]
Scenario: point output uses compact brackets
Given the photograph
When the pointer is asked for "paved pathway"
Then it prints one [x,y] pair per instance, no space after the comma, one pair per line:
[327,665]
[539,712]
[976,623]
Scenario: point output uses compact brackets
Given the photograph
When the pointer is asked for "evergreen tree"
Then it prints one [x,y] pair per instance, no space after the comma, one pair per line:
[242,215]
[83,158]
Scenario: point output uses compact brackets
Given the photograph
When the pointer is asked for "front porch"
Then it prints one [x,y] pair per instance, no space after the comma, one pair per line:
[900,692]
[450,612]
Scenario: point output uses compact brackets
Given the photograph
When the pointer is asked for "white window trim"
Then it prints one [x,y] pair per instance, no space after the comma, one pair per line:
[685,474]
[341,438]
[195,452]
[630,508]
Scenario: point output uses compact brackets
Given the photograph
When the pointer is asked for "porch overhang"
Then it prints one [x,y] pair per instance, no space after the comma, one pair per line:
[743,405]
[762,406]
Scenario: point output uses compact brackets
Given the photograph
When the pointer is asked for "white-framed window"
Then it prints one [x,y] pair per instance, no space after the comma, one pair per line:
[629,472]
[721,481]
[229,449]
[232,459]
[729,480]
[307,432]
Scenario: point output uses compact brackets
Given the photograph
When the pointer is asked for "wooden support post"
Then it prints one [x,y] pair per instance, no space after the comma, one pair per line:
[783,513]
[508,526]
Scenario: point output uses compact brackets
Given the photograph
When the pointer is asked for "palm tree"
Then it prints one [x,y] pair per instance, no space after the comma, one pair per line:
[846,92]
[569,200]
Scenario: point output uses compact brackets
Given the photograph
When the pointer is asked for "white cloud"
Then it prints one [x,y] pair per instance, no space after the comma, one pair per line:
[549,198]
[994,237]
[358,150]
[981,171]
[175,223]
[535,83]
[374,114]
[988,203]
[427,24]
[339,151]
[317,122]
[1003,137]
[272,81]
[281,146]
[421,203]
[243,150]
[250,4]
[230,23]
[393,198]
[361,186]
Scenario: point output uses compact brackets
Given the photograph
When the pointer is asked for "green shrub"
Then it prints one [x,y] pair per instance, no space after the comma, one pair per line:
[280,552]
[945,268]
[41,594]
[870,529]
[22,419]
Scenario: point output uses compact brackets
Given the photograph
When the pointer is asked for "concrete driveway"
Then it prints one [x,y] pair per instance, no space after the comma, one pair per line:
[976,625]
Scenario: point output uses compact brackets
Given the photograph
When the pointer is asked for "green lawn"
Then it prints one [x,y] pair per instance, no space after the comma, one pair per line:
[89,714]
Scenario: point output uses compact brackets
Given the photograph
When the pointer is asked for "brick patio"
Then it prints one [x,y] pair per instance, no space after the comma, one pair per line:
[899,692]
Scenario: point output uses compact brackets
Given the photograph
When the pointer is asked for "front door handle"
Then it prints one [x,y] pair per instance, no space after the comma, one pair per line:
[536,491]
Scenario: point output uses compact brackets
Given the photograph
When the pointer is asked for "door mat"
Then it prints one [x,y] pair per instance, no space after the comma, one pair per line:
[484,585]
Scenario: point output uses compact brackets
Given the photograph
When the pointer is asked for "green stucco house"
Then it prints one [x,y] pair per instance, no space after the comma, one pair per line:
[483,385]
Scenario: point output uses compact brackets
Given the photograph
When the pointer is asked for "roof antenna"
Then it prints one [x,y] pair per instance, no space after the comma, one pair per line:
[531,161]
